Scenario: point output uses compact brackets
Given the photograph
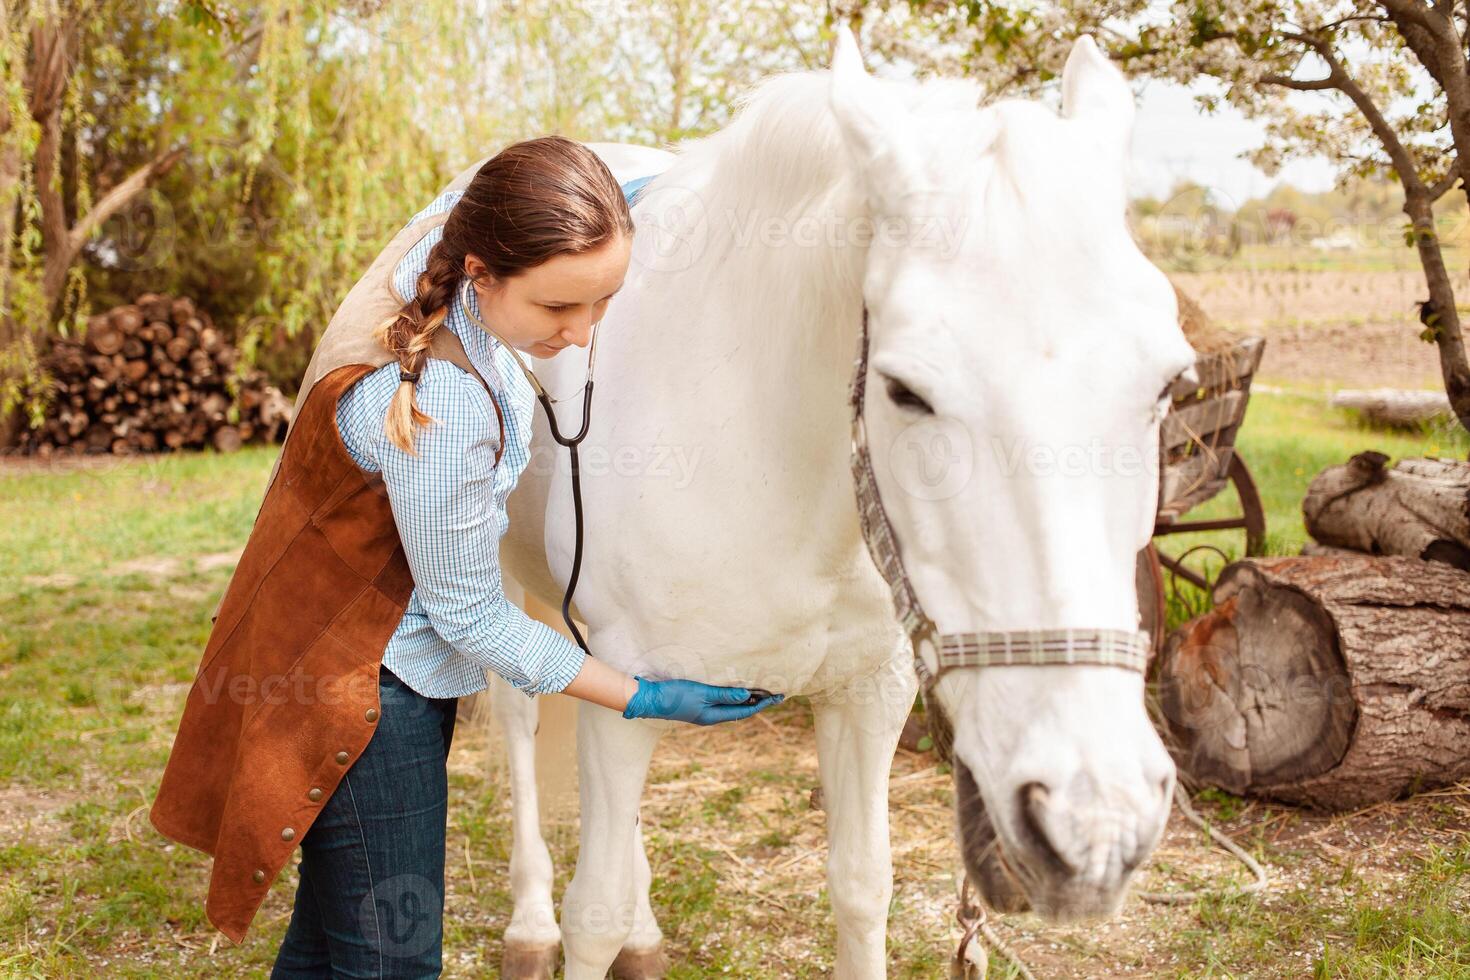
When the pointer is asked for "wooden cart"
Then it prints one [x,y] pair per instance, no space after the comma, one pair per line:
[1198,459]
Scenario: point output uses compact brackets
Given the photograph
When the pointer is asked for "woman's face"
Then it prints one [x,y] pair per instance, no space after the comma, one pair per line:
[552,305]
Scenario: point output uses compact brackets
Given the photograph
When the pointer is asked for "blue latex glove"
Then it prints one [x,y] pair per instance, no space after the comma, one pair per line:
[699,704]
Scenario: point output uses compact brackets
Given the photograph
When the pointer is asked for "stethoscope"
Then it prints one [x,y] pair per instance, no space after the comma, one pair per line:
[571,444]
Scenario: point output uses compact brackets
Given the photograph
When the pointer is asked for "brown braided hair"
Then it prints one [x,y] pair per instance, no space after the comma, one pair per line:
[533,200]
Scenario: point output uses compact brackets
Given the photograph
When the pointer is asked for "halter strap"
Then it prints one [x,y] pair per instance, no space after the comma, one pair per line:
[935,652]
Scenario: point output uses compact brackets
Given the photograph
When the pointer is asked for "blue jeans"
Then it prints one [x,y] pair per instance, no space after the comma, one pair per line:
[370,900]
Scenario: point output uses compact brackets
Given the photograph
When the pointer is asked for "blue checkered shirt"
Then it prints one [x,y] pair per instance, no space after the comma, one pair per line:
[449,503]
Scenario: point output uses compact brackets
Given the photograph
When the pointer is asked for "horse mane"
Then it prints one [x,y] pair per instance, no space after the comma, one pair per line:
[783,157]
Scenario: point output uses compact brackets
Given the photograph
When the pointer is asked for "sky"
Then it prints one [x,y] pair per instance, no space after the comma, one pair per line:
[1174,140]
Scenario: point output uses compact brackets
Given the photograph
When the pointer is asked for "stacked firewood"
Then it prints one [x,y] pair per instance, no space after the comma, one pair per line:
[155,375]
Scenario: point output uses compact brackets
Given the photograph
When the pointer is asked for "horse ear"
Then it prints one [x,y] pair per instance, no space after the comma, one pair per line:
[873,120]
[1092,88]
[846,58]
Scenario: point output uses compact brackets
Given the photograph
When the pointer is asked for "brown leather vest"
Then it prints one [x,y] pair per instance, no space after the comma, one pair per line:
[286,696]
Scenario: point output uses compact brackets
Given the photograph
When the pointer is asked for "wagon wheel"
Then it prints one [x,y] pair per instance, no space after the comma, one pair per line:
[1252,520]
[1152,605]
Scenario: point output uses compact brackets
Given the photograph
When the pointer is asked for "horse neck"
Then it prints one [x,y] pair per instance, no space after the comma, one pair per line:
[781,279]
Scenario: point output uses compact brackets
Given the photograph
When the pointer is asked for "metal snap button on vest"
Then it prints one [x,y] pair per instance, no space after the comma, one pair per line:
[314,794]
[371,714]
[341,758]
[287,834]
[258,875]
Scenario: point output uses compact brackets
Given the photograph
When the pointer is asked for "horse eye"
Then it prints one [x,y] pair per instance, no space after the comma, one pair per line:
[904,397]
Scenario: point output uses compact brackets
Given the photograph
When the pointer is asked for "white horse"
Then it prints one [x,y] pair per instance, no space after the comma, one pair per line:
[1017,332]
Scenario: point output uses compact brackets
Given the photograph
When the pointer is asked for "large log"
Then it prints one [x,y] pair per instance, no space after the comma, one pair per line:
[1419,508]
[1332,682]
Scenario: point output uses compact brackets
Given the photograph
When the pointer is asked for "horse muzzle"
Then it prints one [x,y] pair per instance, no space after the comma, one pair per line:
[1066,856]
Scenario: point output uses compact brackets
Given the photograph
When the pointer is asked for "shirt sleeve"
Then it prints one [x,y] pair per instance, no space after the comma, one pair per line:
[444,504]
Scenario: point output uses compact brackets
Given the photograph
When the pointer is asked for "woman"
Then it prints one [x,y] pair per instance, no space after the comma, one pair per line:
[375,555]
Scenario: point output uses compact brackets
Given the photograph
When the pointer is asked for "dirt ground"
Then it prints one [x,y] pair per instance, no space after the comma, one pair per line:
[770,851]
[1375,354]
[1327,330]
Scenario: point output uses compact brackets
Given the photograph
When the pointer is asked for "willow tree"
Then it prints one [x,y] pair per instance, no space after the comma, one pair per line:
[252,154]
[255,155]
[1374,87]
[103,101]
[49,206]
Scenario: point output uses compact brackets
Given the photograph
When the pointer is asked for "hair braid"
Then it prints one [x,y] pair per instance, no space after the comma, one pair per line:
[408,334]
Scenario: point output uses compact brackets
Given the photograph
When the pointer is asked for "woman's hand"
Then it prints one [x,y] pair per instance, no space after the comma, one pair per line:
[639,697]
[699,704]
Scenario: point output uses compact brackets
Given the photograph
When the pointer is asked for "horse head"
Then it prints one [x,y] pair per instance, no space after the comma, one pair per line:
[1020,350]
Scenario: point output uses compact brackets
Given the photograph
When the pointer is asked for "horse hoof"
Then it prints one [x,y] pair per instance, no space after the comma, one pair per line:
[530,962]
[639,964]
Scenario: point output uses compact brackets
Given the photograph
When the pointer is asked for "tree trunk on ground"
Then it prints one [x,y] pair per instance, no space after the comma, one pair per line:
[1420,508]
[1324,681]
[1394,407]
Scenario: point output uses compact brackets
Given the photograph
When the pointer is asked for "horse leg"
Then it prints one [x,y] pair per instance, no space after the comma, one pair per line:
[642,955]
[857,731]
[599,908]
[532,940]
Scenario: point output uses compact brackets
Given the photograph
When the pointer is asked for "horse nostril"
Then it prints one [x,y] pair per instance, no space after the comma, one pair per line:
[1134,859]
[1032,800]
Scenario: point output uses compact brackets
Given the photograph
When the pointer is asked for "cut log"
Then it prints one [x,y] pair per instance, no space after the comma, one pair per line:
[1332,682]
[226,439]
[128,319]
[103,336]
[155,307]
[1420,508]
[1327,550]
[177,349]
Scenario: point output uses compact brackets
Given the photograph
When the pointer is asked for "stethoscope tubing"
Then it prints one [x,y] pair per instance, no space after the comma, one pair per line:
[570,443]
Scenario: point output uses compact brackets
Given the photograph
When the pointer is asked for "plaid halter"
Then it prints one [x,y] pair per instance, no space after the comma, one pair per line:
[936,652]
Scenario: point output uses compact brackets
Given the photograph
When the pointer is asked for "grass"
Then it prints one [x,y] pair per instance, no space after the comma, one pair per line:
[1421,930]
[96,652]
[106,611]
[83,521]
[1379,258]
